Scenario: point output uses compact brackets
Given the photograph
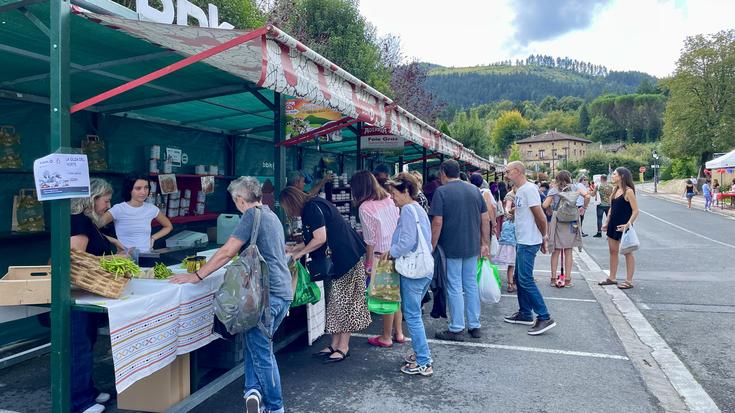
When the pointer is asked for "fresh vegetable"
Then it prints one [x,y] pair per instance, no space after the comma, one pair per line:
[161,271]
[119,266]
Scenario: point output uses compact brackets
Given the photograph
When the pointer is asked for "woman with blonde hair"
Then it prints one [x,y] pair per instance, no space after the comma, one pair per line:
[86,237]
[336,251]
[379,217]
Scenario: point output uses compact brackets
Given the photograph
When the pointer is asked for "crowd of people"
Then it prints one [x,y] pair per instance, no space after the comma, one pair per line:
[455,216]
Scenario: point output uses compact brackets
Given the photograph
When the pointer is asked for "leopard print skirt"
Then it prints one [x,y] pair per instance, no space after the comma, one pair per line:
[347,310]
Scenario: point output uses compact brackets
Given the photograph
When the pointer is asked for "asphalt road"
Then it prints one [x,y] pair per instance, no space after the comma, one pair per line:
[589,363]
[684,287]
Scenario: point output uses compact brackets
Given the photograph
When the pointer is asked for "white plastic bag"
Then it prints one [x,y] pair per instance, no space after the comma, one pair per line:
[494,246]
[629,242]
[486,281]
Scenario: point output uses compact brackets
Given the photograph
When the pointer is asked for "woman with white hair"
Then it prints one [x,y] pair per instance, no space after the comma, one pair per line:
[262,379]
[85,236]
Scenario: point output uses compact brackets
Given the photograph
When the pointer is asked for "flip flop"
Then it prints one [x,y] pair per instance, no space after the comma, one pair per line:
[375,341]
[337,360]
[399,341]
[607,282]
[324,353]
[625,285]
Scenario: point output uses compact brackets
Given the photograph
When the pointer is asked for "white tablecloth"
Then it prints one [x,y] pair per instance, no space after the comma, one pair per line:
[154,321]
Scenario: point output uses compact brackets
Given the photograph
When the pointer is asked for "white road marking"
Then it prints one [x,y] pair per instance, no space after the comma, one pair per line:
[582,300]
[691,392]
[516,348]
[686,230]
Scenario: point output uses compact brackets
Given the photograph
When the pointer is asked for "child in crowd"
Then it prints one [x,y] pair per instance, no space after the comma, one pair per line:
[506,258]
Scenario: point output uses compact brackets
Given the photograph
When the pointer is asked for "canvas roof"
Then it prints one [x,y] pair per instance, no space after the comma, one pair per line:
[231,92]
[725,161]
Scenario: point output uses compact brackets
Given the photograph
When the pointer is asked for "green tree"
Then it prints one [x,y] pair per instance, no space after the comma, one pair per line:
[336,30]
[549,103]
[565,122]
[584,119]
[509,127]
[700,114]
[515,152]
[470,130]
[602,129]
[570,103]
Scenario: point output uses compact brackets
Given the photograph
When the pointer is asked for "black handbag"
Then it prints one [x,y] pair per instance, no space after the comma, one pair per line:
[320,269]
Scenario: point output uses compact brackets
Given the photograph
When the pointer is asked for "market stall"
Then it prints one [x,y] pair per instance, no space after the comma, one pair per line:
[216,95]
[723,167]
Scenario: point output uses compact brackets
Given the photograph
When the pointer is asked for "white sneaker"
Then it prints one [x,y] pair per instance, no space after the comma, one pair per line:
[253,402]
[103,398]
[97,408]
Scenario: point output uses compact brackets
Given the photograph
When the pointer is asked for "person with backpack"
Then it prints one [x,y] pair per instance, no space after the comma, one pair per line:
[565,229]
[262,378]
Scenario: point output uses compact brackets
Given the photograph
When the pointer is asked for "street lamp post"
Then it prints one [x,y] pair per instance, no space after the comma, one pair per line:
[655,172]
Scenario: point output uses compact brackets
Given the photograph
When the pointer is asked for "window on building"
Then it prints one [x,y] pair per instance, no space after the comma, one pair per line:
[541,154]
[575,152]
[530,154]
[553,153]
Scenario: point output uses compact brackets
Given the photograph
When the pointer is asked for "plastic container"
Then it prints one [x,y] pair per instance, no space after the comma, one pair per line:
[200,170]
[213,170]
[226,223]
[153,168]
[155,152]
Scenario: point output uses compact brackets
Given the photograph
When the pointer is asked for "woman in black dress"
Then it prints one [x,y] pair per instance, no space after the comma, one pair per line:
[623,212]
[336,251]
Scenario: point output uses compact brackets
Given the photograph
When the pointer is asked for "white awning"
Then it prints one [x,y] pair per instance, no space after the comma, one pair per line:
[725,161]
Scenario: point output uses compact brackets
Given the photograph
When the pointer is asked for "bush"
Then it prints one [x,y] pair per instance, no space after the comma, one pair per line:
[684,167]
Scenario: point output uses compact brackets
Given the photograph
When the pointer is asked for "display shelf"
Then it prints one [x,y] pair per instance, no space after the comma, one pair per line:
[108,172]
[209,216]
[11,235]
[196,176]
[16,171]
[347,201]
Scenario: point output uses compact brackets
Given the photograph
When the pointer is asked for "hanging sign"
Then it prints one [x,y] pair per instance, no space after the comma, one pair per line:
[303,116]
[183,10]
[377,138]
[61,176]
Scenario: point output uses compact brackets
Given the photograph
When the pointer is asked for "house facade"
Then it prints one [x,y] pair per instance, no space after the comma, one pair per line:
[552,147]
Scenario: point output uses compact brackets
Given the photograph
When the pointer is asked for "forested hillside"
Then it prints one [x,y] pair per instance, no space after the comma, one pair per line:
[472,86]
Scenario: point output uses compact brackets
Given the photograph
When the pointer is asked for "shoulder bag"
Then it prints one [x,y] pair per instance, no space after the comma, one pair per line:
[419,263]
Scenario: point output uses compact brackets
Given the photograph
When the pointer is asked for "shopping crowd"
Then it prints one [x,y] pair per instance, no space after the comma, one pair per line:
[435,233]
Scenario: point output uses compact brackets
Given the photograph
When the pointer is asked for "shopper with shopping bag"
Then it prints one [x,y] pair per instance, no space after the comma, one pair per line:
[488,281]
[411,247]
[619,227]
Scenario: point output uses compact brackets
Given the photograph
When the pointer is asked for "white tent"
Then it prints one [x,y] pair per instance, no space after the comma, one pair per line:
[725,161]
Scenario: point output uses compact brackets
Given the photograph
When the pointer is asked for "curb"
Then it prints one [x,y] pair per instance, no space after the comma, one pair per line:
[664,374]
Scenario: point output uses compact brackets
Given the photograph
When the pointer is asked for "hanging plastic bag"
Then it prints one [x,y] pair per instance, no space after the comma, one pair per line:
[9,148]
[488,281]
[494,246]
[382,307]
[385,282]
[629,241]
[94,147]
[306,291]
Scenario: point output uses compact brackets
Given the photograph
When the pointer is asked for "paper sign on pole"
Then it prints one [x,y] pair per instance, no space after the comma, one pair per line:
[61,176]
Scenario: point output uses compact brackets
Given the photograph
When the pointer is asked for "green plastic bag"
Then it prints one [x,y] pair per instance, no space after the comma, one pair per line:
[306,292]
[488,286]
[382,307]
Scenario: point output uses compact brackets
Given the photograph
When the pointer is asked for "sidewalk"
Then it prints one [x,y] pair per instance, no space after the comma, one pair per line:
[581,365]
[697,201]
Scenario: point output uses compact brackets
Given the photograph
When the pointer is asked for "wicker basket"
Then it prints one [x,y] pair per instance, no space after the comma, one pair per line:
[88,275]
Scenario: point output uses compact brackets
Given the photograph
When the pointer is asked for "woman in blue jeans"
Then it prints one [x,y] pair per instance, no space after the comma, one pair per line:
[404,190]
[262,378]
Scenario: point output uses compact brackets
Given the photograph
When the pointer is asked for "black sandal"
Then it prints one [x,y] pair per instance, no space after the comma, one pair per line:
[607,282]
[324,353]
[337,360]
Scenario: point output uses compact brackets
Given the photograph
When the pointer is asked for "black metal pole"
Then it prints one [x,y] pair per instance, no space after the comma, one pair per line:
[279,156]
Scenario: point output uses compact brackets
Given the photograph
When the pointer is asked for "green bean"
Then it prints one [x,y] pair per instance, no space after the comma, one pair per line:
[119,266]
[161,271]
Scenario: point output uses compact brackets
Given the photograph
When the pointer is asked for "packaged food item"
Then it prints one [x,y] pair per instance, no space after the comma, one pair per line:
[94,147]
[9,148]
[27,212]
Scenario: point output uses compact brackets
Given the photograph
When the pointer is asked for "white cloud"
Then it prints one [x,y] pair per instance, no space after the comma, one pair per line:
[645,35]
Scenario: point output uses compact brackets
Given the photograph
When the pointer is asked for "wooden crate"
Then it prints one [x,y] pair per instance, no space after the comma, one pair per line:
[26,285]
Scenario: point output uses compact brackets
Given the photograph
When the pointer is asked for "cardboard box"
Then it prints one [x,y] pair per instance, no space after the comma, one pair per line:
[26,285]
[159,391]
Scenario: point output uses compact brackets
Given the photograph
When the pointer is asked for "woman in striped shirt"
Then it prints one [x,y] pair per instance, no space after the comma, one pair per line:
[379,217]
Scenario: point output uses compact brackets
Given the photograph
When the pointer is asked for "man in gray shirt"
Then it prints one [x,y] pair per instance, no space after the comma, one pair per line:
[461,227]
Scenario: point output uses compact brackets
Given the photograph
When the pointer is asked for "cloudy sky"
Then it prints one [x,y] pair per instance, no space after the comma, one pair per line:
[644,35]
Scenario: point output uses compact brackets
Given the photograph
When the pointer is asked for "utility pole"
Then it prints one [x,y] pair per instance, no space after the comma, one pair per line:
[655,172]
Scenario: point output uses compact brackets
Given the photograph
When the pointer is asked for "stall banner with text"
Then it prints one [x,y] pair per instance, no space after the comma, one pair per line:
[377,139]
[303,116]
[61,176]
